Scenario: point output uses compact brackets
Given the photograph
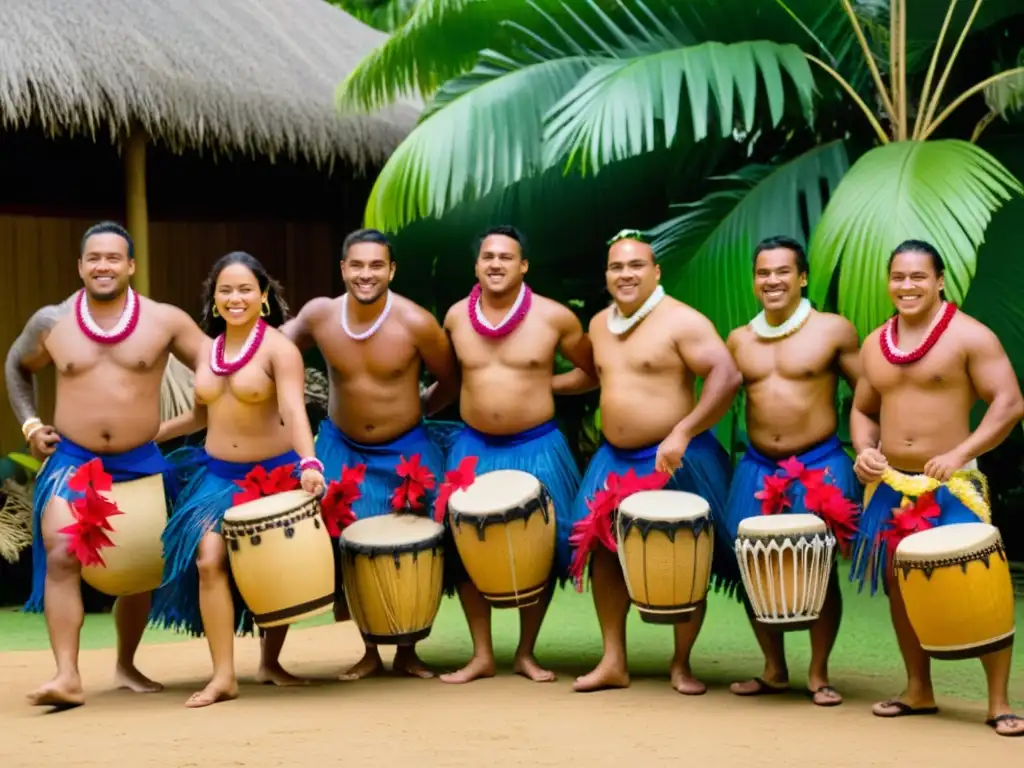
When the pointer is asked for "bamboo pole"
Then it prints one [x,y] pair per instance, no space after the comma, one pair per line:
[137,210]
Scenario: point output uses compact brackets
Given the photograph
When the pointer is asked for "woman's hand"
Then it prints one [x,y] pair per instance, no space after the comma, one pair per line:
[312,482]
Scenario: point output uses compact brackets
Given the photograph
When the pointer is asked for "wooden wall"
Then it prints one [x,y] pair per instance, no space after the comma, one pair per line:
[38,266]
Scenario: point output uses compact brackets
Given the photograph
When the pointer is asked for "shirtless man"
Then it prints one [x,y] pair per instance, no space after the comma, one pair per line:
[791,357]
[110,347]
[648,349]
[505,337]
[923,370]
[375,342]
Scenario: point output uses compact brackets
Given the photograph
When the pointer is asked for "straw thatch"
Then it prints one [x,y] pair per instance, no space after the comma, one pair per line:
[15,520]
[252,75]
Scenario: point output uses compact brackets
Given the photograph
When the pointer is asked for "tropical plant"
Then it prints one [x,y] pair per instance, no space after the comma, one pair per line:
[385,15]
[750,113]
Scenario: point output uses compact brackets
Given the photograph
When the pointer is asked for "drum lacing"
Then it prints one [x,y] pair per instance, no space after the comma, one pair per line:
[231,531]
[813,577]
[963,560]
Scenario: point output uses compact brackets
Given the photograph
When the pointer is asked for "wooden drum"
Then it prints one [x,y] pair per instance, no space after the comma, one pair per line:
[135,562]
[785,561]
[504,530]
[955,582]
[281,557]
[392,567]
[665,541]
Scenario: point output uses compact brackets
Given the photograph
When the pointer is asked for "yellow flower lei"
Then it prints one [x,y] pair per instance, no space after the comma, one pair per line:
[964,485]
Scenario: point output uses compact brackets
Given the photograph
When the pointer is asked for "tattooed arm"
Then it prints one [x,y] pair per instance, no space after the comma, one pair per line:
[27,356]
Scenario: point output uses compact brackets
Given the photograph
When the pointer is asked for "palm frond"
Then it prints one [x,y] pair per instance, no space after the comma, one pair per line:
[944,192]
[705,254]
[623,108]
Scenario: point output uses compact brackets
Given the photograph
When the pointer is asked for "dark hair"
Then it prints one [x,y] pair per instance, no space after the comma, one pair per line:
[214,326]
[781,241]
[920,246]
[505,230]
[108,228]
[366,236]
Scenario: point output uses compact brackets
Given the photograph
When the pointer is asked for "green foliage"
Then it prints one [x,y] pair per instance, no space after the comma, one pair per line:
[944,192]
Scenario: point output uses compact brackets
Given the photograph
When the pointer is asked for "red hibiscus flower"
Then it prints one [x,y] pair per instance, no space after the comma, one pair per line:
[458,479]
[417,480]
[86,535]
[259,483]
[336,505]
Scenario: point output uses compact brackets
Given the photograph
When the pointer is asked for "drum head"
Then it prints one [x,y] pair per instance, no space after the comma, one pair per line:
[785,524]
[669,506]
[495,491]
[279,503]
[947,541]
[391,531]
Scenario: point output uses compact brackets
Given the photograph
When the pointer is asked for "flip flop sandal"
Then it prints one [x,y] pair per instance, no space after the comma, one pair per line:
[993,723]
[825,689]
[764,689]
[903,710]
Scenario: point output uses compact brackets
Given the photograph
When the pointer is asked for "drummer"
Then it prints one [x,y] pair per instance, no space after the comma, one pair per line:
[375,343]
[249,394]
[791,356]
[506,337]
[648,349]
[923,371]
[109,347]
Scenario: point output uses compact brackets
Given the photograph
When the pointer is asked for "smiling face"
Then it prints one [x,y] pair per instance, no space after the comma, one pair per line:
[237,295]
[367,271]
[500,265]
[631,275]
[104,266]
[914,284]
[778,280]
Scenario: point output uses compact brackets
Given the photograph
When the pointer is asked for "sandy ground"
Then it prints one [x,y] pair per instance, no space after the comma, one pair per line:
[505,721]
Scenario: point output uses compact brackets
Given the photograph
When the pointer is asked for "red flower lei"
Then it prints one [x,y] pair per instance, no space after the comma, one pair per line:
[820,498]
[133,306]
[919,516]
[416,481]
[889,337]
[596,527]
[91,512]
[507,325]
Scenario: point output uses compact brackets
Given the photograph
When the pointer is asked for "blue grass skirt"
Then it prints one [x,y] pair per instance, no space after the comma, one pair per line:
[705,472]
[53,479]
[754,467]
[209,487]
[335,449]
[543,452]
[870,551]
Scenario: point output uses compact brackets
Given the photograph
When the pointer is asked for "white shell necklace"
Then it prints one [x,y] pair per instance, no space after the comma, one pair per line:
[618,324]
[759,325]
[373,328]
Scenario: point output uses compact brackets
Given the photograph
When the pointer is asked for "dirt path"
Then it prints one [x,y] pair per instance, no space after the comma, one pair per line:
[506,721]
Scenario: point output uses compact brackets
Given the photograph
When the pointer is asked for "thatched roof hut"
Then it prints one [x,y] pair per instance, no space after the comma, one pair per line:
[230,75]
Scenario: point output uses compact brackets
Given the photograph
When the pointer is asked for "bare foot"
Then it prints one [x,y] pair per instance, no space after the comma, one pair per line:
[606,675]
[684,682]
[476,668]
[60,693]
[277,675]
[527,666]
[408,663]
[214,693]
[368,666]
[135,681]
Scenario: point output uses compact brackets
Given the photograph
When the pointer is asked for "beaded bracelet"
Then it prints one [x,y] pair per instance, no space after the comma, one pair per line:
[311,462]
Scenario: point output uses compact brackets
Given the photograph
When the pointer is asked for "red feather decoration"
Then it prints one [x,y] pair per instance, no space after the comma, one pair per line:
[336,505]
[596,527]
[416,481]
[259,483]
[458,479]
[91,512]
[820,498]
[919,516]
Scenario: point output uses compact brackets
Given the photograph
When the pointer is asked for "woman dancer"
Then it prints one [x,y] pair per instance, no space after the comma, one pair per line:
[249,394]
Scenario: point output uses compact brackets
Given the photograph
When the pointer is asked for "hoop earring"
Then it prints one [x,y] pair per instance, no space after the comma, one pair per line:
[215,313]
[265,308]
